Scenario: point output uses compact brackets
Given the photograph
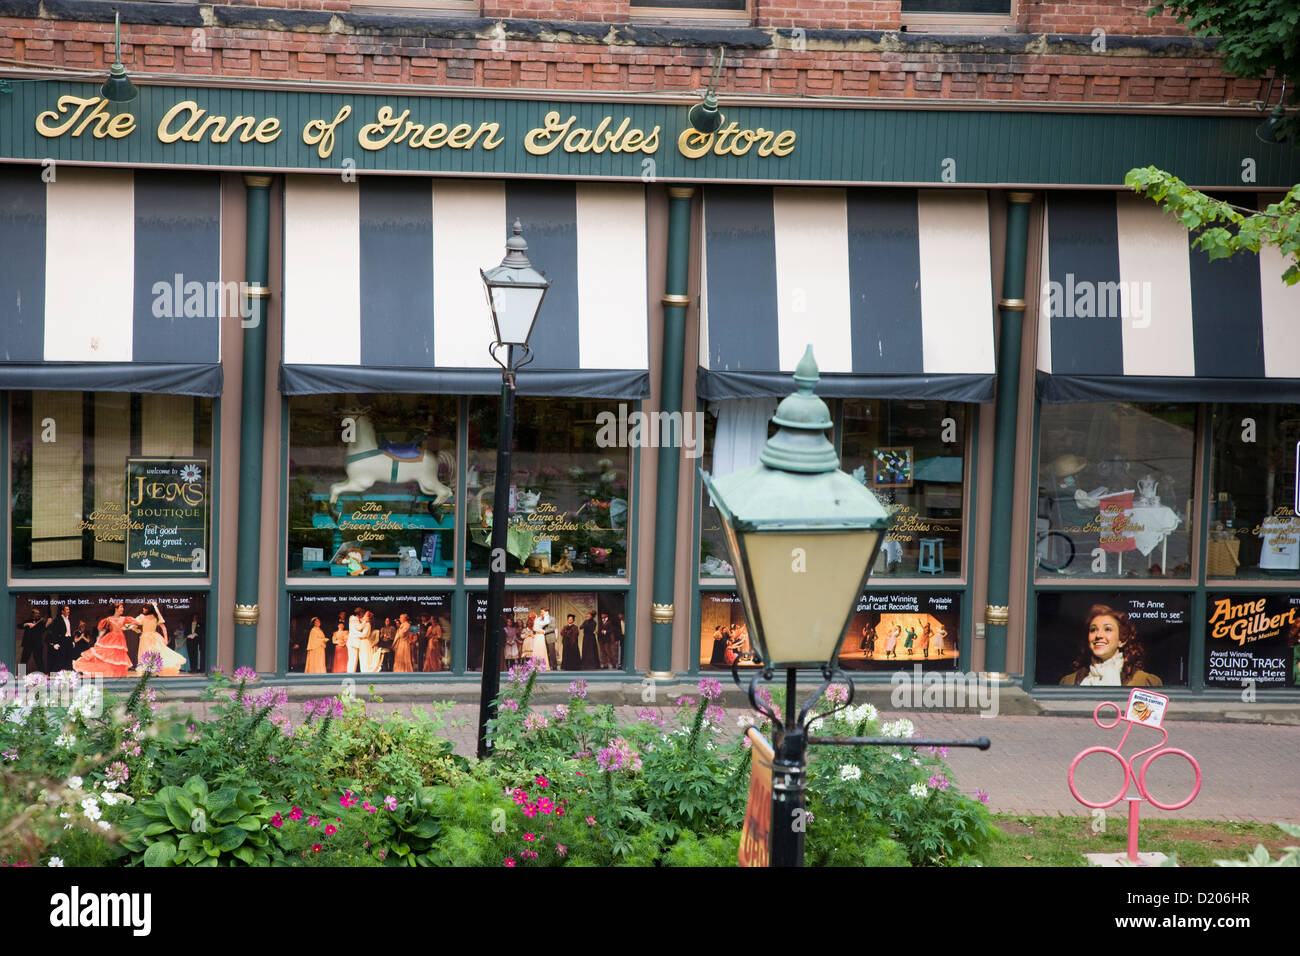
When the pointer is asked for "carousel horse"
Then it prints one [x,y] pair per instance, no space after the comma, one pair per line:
[370,460]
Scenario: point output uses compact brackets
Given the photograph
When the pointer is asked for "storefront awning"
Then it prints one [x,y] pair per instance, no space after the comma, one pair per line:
[110,280]
[892,288]
[1131,312]
[382,291]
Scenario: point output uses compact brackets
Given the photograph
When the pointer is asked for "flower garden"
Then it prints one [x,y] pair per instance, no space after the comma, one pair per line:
[89,779]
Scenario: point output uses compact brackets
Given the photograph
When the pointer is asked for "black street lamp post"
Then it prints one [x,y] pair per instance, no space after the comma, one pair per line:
[514,292]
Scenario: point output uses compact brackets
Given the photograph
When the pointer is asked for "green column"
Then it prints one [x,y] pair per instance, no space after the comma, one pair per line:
[251,416]
[1012,309]
[675,302]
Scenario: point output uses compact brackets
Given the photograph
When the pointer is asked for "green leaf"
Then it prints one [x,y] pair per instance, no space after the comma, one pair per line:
[161,853]
[227,838]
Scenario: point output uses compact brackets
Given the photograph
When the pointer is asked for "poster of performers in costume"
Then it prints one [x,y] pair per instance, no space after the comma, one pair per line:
[565,631]
[106,635]
[370,632]
[889,629]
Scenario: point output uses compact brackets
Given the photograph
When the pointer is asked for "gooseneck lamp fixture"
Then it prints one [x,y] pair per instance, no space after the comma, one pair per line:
[514,295]
[704,116]
[802,536]
[118,88]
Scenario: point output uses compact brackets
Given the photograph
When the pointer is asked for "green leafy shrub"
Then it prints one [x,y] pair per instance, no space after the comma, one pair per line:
[193,826]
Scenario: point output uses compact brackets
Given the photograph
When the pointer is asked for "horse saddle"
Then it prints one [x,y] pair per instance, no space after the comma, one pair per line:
[406,451]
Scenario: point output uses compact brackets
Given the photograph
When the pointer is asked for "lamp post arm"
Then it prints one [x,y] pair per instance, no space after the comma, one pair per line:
[980,743]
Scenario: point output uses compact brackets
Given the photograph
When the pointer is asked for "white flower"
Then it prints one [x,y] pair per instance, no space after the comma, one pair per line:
[110,798]
[66,741]
[63,815]
[918,790]
[870,713]
[104,825]
[54,861]
[145,562]
[744,720]
[190,473]
[110,784]
[90,807]
[898,728]
[850,772]
[74,783]
[897,755]
[19,715]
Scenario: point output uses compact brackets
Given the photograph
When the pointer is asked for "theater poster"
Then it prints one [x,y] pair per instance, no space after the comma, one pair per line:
[1252,639]
[395,632]
[724,635]
[893,628]
[110,631]
[1113,639]
[597,641]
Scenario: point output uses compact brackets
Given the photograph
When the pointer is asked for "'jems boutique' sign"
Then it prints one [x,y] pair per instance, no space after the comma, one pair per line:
[167,515]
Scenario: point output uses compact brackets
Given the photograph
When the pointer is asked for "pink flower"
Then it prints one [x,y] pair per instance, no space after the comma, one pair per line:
[685,701]
[578,688]
[383,855]
[710,688]
[530,810]
[530,837]
[315,847]
[295,814]
[562,849]
[536,722]
[543,782]
[981,796]
[277,821]
[510,704]
[510,861]
[369,808]
[390,802]
[348,800]
[591,821]
[313,821]
[545,805]
[837,694]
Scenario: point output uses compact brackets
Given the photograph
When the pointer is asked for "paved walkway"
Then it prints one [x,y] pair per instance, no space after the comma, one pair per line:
[1250,771]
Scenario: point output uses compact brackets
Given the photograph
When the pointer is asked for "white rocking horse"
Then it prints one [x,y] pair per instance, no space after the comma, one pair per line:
[368,461]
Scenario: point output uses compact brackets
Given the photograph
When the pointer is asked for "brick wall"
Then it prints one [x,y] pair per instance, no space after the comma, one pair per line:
[250,41]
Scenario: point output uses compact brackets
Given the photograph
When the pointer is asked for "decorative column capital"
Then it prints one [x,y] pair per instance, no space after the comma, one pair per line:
[247,615]
[257,180]
[662,613]
[997,615]
[681,192]
[1019,197]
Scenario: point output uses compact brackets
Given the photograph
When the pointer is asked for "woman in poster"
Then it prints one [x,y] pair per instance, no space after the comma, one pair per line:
[927,633]
[868,643]
[719,655]
[153,639]
[937,645]
[891,642]
[316,643]
[538,642]
[1112,655]
[340,642]
[590,658]
[402,642]
[512,641]
[435,651]
[109,657]
[570,654]
[177,641]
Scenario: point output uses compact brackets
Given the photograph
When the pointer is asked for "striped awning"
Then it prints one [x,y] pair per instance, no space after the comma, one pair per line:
[1131,312]
[109,280]
[382,290]
[892,288]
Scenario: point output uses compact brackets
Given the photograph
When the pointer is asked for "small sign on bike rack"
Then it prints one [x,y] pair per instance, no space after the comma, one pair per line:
[1146,708]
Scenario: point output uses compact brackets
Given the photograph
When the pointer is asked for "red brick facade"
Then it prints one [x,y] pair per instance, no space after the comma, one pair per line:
[793,48]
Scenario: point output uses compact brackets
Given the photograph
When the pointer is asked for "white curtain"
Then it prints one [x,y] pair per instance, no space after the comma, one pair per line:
[740,433]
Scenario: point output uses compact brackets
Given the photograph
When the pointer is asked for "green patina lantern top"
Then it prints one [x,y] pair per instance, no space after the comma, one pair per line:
[803,419]
[798,483]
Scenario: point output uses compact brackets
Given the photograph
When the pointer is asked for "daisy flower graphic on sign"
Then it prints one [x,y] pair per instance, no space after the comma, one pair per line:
[190,473]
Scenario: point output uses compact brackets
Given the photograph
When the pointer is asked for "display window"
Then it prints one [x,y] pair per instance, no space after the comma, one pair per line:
[372,486]
[369,632]
[1254,531]
[558,630]
[911,454]
[110,484]
[569,491]
[106,634]
[1115,495]
[1113,639]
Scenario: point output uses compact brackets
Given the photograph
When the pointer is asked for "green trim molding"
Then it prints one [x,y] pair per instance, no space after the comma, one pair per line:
[338,132]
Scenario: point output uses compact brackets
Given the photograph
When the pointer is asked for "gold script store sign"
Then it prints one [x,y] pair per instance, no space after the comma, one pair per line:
[391,128]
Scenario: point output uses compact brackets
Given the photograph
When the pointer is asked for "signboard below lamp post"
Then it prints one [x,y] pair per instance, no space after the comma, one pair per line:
[802,536]
[514,292]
